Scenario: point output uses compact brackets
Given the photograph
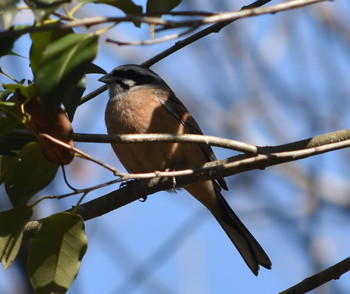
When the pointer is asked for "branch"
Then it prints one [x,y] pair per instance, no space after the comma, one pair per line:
[333,137]
[81,153]
[226,19]
[187,138]
[179,45]
[153,41]
[245,12]
[268,156]
[166,24]
[332,273]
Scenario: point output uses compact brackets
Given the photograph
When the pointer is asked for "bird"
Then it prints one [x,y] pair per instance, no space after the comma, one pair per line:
[141,102]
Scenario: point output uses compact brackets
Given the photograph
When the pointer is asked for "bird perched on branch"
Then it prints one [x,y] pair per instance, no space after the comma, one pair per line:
[141,102]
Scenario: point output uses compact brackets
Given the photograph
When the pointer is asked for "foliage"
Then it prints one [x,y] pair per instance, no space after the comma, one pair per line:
[60,59]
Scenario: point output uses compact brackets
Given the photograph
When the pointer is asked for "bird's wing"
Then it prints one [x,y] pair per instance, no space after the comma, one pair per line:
[181,113]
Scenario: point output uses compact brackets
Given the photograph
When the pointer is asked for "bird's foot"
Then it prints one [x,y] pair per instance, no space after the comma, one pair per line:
[126,183]
[143,199]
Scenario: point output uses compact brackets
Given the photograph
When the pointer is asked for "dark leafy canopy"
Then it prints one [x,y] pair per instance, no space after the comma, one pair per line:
[60,59]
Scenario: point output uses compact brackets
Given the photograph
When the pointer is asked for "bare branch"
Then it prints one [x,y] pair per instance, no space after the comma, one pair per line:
[153,41]
[179,45]
[332,273]
[166,24]
[82,154]
[267,156]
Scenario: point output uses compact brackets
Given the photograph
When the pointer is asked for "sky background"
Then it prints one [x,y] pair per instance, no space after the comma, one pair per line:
[266,80]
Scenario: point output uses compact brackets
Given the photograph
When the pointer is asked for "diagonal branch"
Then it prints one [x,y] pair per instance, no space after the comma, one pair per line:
[332,273]
[268,156]
[247,11]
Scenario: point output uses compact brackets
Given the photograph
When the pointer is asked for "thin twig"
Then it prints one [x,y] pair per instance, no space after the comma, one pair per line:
[220,17]
[179,45]
[77,191]
[93,94]
[66,179]
[246,12]
[82,154]
[153,41]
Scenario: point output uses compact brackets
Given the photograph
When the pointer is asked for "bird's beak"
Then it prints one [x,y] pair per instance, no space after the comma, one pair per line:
[107,79]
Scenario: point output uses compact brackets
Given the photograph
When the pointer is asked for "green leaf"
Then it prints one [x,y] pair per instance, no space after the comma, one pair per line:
[64,63]
[26,91]
[40,41]
[56,252]
[43,8]
[7,42]
[154,6]
[9,12]
[95,69]
[127,6]
[8,38]
[7,124]
[5,4]
[45,3]
[12,223]
[72,100]
[11,109]
[29,173]
[4,94]
[11,145]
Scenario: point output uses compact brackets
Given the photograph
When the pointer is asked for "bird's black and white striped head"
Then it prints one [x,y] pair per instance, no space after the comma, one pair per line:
[130,76]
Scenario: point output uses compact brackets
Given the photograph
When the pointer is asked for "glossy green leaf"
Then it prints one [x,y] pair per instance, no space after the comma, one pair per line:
[56,252]
[40,41]
[161,5]
[64,63]
[72,100]
[12,223]
[28,174]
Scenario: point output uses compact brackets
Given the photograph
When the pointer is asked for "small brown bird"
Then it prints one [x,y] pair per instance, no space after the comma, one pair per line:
[141,102]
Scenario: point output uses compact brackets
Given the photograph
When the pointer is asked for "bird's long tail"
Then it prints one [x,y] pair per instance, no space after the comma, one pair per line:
[247,245]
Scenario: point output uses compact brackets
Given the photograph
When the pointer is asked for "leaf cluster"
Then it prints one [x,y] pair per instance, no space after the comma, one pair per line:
[60,58]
